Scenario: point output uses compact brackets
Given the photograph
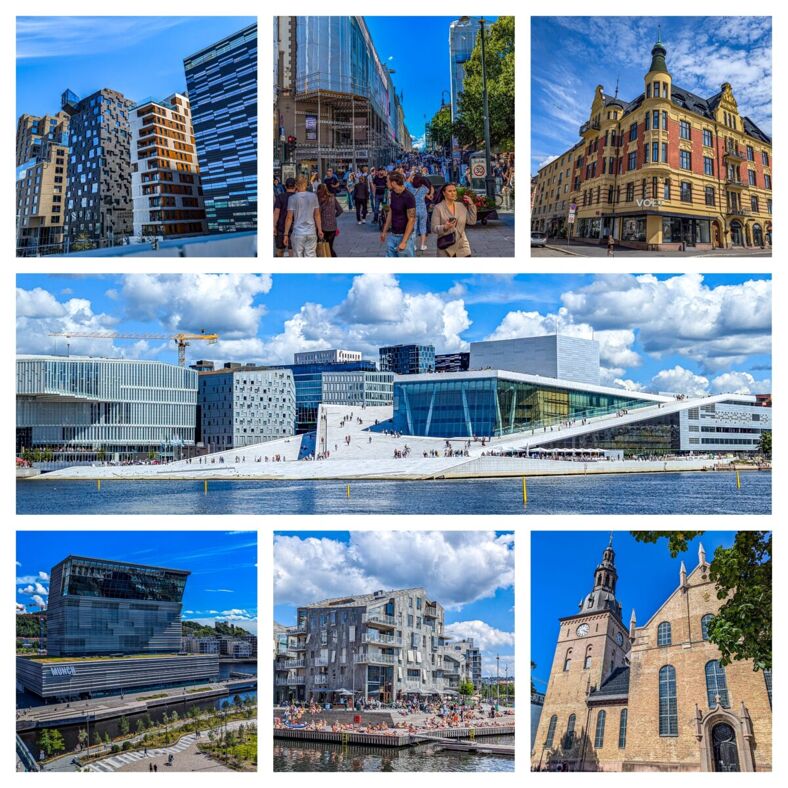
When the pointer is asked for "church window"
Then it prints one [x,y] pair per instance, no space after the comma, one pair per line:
[622,729]
[668,705]
[599,737]
[568,659]
[716,684]
[548,742]
[704,625]
[663,634]
[569,739]
[767,677]
[587,663]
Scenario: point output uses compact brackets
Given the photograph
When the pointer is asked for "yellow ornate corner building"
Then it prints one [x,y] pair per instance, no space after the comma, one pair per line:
[655,697]
[667,171]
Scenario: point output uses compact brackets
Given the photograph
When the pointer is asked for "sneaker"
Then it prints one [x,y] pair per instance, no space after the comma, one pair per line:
[360,222]
[423,248]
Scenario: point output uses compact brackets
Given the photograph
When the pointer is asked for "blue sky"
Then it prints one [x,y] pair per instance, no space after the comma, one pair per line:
[570,56]
[470,573]
[138,56]
[687,333]
[223,565]
[562,573]
[417,48]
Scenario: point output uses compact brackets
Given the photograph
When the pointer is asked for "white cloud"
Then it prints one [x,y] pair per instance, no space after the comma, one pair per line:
[491,668]
[484,636]
[43,575]
[456,567]
[680,381]
[220,590]
[20,608]
[740,383]
[39,601]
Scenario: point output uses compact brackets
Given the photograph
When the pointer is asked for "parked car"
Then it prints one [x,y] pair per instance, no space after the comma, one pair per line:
[538,239]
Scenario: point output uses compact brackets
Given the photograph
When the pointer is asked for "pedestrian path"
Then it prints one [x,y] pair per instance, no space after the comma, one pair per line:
[122,759]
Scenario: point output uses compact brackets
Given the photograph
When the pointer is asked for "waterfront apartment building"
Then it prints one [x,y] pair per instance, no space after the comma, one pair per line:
[654,697]
[195,645]
[41,179]
[452,362]
[79,410]
[335,95]
[665,171]
[407,359]
[334,356]
[165,175]
[462,39]
[243,405]
[549,356]
[99,207]
[387,645]
[222,86]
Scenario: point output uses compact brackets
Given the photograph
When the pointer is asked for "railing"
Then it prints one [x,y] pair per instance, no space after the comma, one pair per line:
[375,658]
[289,682]
[378,618]
[388,640]
[320,662]
[737,212]
[294,663]
[734,153]
[320,679]
[734,182]
[590,125]
[431,611]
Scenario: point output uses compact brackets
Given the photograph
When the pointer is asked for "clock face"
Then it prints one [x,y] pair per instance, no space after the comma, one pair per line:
[582,630]
[619,639]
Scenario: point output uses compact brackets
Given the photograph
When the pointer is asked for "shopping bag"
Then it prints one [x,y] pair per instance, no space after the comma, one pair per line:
[323,249]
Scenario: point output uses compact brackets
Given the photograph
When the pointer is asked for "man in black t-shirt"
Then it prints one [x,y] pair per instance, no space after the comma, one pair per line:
[280,216]
[400,219]
[379,186]
[332,182]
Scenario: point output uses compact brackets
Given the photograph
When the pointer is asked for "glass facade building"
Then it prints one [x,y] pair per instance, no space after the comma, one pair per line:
[222,87]
[100,607]
[84,409]
[462,39]
[407,359]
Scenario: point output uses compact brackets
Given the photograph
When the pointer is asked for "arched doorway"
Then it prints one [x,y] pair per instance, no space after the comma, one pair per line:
[726,753]
[717,234]
[769,233]
[757,235]
[737,235]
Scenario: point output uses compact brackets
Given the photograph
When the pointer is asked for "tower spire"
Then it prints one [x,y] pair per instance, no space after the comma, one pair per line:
[632,624]
[603,594]
[616,96]
[683,575]
[701,554]
[659,34]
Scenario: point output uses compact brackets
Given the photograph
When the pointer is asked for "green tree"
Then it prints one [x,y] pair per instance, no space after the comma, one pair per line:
[742,629]
[499,60]
[82,737]
[140,726]
[44,741]
[107,738]
[440,128]
[765,444]
[124,726]
[96,738]
[466,688]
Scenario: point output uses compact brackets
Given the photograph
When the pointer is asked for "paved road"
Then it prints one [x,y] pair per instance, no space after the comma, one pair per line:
[560,249]
[495,239]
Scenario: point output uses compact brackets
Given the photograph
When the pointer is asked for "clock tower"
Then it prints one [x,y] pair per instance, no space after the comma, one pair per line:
[592,643]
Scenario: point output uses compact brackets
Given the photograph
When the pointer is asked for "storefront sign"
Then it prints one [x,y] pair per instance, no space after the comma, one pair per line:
[649,203]
[310,124]
[63,670]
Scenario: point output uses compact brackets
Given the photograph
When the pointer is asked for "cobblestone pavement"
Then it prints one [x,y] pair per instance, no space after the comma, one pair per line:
[495,239]
[560,249]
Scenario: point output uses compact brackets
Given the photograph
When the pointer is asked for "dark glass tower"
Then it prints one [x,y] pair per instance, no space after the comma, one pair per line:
[222,86]
[99,607]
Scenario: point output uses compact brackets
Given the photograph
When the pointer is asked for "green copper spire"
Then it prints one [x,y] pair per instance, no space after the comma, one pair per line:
[658,56]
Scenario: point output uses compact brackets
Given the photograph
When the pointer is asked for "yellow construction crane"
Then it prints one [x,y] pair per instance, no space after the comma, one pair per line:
[181,340]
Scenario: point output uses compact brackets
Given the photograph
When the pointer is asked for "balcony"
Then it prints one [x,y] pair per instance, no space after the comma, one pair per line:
[375,658]
[431,611]
[379,620]
[589,126]
[737,212]
[292,681]
[294,663]
[734,154]
[373,637]
[320,679]
[735,183]
[320,662]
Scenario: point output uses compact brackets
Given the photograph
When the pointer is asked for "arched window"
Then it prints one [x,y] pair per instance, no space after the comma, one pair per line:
[622,729]
[663,634]
[568,659]
[548,742]
[599,737]
[569,739]
[716,684]
[668,706]
[587,662]
[704,625]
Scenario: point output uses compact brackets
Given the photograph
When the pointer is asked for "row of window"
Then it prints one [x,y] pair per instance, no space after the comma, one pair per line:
[599,734]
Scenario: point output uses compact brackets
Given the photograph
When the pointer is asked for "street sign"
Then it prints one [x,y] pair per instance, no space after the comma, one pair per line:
[288,171]
[571,218]
[479,168]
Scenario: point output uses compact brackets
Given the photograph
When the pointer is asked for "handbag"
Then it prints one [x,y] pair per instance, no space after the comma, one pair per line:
[323,249]
[445,241]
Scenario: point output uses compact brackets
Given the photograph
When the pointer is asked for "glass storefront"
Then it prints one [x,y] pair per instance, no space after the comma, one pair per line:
[633,228]
[688,231]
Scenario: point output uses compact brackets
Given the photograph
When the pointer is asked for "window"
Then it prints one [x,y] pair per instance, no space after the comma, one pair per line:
[764,158]
[656,89]
[568,659]
[666,190]
[655,152]
[645,154]
[716,684]
[632,161]
[668,706]
[767,677]
[599,737]
[663,630]
[753,204]
[685,160]
[709,198]
[664,151]
[569,739]
[664,90]
[630,192]
[767,181]
[587,662]
[686,196]
[633,132]
[655,116]
[708,165]
[648,91]
[704,625]
[751,177]
[768,206]
[664,120]
[622,729]
[548,742]
[750,153]
[707,137]
[647,125]
[684,129]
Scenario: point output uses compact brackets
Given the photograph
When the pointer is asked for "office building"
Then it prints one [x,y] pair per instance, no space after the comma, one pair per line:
[654,697]
[407,359]
[98,194]
[334,356]
[452,362]
[81,410]
[360,388]
[665,171]
[551,356]
[222,87]
[462,39]
[335,95]
[243,405]
[165,176]
[41,179]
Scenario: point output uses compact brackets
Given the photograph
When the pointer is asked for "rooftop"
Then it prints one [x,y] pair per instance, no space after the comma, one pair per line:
[616,685]
[184,572]
[109,658]
[362,599]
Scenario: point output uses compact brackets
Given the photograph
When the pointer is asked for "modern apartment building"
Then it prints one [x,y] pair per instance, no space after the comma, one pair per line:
[243,405]
[334,356]
[99,207]
[41,179]
[222,85]
[88,409]
[385,646]
[665,171]
[407,359]
[165,175]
